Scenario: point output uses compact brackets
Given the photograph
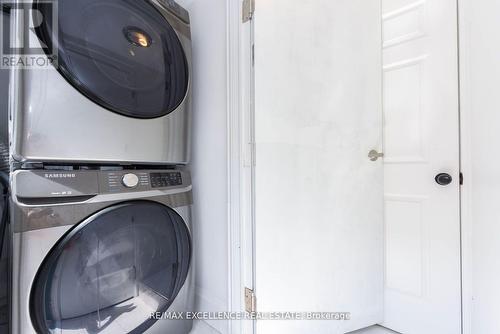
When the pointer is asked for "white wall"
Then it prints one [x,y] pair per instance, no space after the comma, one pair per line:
[480,81]
[209,159]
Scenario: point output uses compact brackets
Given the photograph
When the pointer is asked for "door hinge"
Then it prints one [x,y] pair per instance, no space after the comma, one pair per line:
[250,301]
[461,178]
[248,10]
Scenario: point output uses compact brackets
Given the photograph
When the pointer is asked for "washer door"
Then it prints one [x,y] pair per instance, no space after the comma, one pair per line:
[122,54]
[109,273]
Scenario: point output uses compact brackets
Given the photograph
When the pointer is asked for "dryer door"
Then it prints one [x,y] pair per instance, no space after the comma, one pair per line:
[112,271]
[122,54]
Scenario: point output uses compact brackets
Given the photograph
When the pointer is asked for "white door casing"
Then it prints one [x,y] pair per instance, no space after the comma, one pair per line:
[421,139]
[319,199]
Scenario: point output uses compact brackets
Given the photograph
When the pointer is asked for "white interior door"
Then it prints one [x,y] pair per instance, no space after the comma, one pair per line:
[318,198]
[421,140]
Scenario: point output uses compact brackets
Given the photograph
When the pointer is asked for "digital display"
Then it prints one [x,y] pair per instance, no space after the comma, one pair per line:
[160,180]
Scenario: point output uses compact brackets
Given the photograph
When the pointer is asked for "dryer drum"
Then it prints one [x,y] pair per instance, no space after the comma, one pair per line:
[112,271]
[122,54]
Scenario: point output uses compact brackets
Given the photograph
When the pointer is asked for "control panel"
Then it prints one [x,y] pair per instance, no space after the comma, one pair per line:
[139,180]
[165,179]
[48,184]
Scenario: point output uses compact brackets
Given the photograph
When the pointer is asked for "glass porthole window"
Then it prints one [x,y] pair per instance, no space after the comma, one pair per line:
[111,272]
[122,54]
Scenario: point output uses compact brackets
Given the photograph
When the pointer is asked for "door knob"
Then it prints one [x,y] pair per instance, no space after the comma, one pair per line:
[443,179]
[374,155]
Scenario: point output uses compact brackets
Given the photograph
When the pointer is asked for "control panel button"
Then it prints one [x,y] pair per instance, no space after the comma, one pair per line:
[162,180]
[130,180]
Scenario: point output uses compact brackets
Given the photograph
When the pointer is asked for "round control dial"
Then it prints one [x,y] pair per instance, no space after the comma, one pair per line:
[130,180]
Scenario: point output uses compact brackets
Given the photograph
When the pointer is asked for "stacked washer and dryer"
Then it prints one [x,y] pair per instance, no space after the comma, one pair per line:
[101,198]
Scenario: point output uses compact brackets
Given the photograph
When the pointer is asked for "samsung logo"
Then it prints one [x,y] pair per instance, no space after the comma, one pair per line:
[60,175]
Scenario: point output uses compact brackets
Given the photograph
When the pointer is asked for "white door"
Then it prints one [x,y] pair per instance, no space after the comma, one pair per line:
[318,198]
[421,140]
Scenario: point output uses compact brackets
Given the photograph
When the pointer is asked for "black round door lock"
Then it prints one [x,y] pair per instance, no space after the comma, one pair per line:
[443,179]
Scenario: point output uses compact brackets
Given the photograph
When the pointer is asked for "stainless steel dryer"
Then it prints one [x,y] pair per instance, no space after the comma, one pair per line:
[119,91]
[100,251]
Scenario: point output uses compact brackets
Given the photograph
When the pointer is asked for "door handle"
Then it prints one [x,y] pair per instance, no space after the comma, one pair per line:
[373,155]
[443,179]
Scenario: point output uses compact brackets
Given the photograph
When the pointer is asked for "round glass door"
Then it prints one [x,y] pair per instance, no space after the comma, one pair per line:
[112,271]
[122,54]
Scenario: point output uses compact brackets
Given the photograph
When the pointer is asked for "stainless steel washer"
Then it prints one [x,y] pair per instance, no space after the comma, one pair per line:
[99,251]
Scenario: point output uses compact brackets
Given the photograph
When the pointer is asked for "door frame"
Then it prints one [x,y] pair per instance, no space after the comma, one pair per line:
[240,158]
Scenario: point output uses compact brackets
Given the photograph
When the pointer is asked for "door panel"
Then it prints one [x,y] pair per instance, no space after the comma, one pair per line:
[421,139]
[319,199]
